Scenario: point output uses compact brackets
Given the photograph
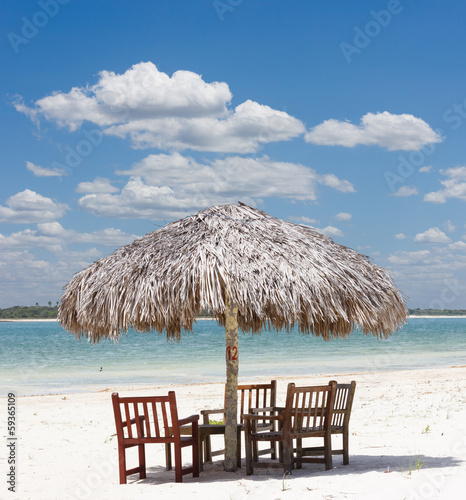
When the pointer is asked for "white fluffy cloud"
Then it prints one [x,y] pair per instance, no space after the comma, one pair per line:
[167,186]
[251,177]
[454,186]
[243,130]
[98,185]
[394,132]
[44,172]
[55,238]
[28,275]
[458,245]
[425,170]
[173,113]
[303,220]
[331,180]
[406,191]
[442,267]
[331,231]
[138,200]
[343,216]
[408,258]
[27,278]
[28,206]
[432,235]
[449,226]
[141,92]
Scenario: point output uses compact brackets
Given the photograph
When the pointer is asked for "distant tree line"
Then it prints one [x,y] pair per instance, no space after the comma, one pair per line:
[49,312]
[205,313]
[31,312]
[437,312]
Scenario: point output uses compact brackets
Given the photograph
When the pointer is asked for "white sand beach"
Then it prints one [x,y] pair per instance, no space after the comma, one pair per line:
[407,442]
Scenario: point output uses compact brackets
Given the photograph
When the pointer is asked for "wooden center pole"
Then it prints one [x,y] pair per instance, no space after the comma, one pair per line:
[231,403]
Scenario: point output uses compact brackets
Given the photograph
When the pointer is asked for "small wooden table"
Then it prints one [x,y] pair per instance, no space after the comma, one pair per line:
[206,430]
[205,451]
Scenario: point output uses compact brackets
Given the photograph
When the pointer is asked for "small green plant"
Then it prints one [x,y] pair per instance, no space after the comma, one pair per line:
[415,463]
[426,430]
[418,463]
[215,422]
[287,473]
[109,438]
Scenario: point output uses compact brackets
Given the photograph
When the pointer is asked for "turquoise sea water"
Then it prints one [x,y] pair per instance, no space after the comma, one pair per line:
[42,358]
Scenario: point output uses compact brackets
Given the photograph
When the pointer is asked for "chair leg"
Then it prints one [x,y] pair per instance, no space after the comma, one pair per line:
[273,446]
[255,451]
[142,461]
[299,453]
[196,458]
[178,464]
[328,450]
[122,464]
[201,443]
[345,447]
[207,449]
[168,456]
[288,455]
[249,468]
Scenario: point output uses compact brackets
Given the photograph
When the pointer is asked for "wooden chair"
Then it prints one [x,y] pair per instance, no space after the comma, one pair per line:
[307,413]
[142,420]
[340,421]
[250,398]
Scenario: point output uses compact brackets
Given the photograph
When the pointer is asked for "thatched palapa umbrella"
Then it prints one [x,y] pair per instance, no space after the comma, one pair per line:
[250,269]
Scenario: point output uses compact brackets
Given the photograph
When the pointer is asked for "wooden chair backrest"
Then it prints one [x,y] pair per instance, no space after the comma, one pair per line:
[308,409]
[343,403]
[255,396]
[147,418]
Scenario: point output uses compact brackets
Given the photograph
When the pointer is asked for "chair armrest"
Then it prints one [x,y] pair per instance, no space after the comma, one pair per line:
[251,421]
[187,420]
[205,414]
[212,412]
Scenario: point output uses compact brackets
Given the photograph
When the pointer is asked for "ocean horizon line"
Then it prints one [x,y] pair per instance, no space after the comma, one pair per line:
[45,320]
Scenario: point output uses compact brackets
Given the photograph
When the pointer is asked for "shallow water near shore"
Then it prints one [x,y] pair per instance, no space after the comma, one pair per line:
[42,358]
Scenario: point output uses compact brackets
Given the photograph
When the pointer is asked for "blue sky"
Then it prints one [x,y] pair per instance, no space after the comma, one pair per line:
[120,116]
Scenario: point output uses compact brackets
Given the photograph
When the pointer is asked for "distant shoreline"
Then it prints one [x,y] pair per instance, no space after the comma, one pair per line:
[26,320]
[44,320]
[435,317]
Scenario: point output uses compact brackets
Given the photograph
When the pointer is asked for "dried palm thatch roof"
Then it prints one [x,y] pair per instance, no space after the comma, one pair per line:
[279,274]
